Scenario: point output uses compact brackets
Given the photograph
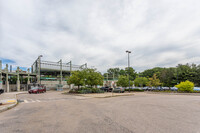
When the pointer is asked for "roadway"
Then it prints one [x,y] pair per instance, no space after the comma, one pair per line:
[53,112]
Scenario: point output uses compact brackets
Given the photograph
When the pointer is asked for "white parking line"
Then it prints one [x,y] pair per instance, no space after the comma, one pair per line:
[32,101]
[26,101]
[38,100]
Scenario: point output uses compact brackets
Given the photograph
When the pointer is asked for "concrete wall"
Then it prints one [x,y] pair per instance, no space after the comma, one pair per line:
[52,84]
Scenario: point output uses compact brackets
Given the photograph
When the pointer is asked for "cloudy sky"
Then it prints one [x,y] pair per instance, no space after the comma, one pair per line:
[160,33]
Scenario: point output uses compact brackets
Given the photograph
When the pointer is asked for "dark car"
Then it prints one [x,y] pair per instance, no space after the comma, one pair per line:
[1,91]
[119,90]
[106,89]
[37,90]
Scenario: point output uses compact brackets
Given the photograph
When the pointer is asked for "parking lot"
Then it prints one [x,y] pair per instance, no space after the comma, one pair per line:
[142,112]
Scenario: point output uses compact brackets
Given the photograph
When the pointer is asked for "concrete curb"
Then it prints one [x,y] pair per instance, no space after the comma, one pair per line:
[8,104]
[115,96]
[7,107]
[168,93]
[98,96]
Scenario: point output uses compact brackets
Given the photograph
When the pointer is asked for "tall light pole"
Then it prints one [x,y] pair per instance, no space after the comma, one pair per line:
[128,69]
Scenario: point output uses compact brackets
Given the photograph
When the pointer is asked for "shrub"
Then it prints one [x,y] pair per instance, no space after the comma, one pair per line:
[86,90]
[135,89]
[186,86]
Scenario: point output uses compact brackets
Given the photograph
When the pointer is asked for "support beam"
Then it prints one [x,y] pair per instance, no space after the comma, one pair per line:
[60,71]
[1,82]
[39,69]
[7,82]
[18,81]
[28,82]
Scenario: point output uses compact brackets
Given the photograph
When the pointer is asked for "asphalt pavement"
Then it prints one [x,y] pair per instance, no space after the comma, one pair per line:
[53,112]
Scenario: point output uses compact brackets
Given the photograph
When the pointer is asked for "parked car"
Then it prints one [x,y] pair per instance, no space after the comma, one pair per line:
[145,88]
[165,88]
[106,89]
[174,88]
[37,89]
[1,91]
[119,90]
[150,88]
[159,88]
[196,89]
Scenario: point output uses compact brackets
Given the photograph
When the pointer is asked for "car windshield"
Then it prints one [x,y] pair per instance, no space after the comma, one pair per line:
[34,88]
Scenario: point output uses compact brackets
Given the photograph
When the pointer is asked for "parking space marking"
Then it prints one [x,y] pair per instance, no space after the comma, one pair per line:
[26,101]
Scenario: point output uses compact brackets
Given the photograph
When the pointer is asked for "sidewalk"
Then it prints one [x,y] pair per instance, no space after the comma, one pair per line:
[8,100]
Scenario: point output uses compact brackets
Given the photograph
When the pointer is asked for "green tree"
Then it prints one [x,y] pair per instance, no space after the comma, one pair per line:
[186,86]
[113,71]
[122,72]
[168,77]
[77,78]
[123,81]
[150,72]
[92,77]
[140,81]
[86,77]
[154,81]
[131,72]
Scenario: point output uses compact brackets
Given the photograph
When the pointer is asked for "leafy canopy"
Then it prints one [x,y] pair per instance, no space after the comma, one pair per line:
[85,77]
[140,81]
[123,81]
[154,81]
[186,86]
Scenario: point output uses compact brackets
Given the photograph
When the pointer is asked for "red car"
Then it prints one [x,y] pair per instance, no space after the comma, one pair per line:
[37,90]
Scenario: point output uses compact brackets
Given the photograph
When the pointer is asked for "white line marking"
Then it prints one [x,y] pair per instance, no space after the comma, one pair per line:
[32,101]
[26,101]
[38,100]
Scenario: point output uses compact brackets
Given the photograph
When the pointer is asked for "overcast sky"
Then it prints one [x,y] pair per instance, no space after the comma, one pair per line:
[160,33]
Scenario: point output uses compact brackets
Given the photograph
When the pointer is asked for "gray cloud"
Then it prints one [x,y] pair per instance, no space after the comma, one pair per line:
[159,33]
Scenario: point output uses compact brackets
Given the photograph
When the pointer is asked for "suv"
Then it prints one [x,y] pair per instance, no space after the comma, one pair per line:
[106,89]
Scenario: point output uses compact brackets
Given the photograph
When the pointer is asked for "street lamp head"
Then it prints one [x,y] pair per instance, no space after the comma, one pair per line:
[40,56]
[128,51]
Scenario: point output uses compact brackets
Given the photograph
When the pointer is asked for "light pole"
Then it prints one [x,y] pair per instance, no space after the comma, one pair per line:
[177,75]
[128,69]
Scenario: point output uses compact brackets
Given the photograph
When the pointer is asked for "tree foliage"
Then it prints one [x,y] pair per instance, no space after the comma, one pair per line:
[167,76]
[77,78]
[140,81]
[116,72]
[92,77]
[85,77]
[123,81]
[186,86]
[154,81]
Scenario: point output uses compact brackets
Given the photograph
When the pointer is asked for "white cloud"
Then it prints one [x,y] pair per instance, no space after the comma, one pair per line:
[159,33]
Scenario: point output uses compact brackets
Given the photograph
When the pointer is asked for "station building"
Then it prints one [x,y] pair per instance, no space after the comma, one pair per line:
[51,74]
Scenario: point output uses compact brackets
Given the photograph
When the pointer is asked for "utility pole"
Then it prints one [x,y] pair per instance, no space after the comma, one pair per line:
[128,69]
[177,74]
